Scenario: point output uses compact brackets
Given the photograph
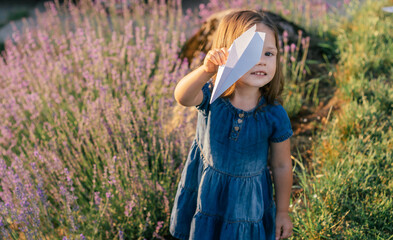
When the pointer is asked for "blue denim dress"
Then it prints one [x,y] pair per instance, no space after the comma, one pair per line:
[225,190]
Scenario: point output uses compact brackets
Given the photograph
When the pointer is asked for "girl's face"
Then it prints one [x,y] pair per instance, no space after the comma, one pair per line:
[263,72]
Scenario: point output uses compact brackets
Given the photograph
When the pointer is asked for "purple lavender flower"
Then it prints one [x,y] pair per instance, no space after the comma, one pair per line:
[285,36]
[63,191]
[108,195]
[286,49]
[293,47]
[97,199]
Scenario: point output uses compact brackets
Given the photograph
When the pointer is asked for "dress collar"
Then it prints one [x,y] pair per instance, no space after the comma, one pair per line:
[240,111]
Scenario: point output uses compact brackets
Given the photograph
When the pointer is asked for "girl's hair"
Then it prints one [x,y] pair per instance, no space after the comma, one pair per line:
[230,28]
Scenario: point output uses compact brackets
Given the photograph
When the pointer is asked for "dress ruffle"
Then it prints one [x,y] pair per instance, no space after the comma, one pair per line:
[218,228]
[230,193]
[186,196]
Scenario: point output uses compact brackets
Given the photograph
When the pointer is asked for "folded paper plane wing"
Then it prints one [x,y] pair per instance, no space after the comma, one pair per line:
[243,54]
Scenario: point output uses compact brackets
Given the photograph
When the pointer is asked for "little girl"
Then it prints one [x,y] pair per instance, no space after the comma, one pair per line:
[225,191]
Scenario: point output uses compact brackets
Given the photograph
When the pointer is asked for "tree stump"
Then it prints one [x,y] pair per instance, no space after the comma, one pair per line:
[201,41]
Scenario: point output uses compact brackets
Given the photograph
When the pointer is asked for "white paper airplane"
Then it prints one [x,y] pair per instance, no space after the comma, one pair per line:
[243,54]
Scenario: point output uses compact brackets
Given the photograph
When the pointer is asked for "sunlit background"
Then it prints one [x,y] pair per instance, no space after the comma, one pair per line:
[92,143]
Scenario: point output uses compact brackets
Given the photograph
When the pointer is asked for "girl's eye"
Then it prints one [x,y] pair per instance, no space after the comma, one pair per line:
[269,54]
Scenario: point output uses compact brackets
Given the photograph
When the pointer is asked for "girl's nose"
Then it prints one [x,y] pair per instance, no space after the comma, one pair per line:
[262,61]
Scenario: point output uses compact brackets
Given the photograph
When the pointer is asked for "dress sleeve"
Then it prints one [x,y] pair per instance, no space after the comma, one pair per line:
[204,106]
[281,125]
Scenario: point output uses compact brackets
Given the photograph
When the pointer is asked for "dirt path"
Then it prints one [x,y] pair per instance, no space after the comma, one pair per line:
[307,124]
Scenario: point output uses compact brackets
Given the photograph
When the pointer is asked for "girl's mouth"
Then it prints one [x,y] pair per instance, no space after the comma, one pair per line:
[259,73]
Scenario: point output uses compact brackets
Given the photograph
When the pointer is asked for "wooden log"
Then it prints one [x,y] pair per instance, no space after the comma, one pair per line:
[202,40]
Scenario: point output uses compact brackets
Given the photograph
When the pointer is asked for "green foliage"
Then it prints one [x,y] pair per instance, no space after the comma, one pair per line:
[297,90]
[349,194]
[1,47]
[16,15]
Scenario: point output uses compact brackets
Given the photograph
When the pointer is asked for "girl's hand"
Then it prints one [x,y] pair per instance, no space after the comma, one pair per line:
[215,58]
[283,225]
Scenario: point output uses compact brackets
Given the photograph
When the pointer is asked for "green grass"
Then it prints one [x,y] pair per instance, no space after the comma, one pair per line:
[348,196]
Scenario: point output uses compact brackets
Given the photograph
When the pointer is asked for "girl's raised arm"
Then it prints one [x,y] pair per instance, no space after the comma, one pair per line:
[188,91]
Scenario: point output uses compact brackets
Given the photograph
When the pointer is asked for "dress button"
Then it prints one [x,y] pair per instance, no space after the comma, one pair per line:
[240,120]
[241,115]
[236,128]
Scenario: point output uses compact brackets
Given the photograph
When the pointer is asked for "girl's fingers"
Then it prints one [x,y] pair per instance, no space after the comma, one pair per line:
[222,57]
[210,57]
[218,56]
[278,232]
[225,51]
[214,59]
[287,231]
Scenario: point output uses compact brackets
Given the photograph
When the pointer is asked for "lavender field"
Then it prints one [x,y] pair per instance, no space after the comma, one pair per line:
[92,143]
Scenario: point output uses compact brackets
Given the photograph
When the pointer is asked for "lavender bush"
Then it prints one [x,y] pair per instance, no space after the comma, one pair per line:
[85,106]
[88,146]
[293,60]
